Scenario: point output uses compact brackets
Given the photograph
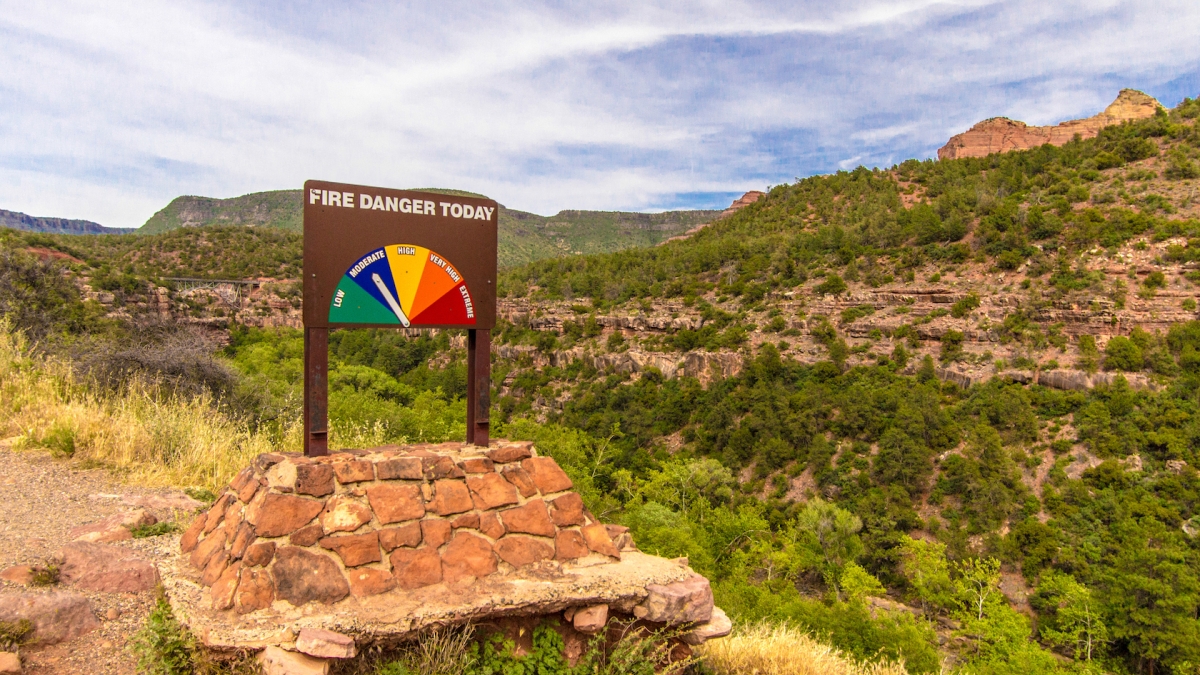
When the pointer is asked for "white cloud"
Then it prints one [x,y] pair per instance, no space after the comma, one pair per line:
[108,111]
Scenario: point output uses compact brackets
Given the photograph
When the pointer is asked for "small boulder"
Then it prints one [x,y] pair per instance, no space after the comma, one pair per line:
[325,644]
[10,663]
[276,661]
[590,619]
[56,617]
[687,601]
[106,568]
[718,626]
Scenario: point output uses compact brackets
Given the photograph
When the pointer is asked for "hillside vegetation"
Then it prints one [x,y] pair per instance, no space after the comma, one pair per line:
[860,449]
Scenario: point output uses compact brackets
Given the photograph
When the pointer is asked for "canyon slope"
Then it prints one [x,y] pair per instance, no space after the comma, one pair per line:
[1000,134]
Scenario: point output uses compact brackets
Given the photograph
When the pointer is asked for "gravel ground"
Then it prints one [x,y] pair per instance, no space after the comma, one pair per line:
[41,499]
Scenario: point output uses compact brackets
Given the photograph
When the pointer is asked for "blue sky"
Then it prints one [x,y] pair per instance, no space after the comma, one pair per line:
[110,110]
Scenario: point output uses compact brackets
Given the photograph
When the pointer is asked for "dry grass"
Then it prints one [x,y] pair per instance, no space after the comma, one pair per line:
[149,438]
[767,649]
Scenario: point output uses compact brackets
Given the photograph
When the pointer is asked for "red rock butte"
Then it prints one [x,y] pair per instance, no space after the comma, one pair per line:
[1000,134]
[377,544]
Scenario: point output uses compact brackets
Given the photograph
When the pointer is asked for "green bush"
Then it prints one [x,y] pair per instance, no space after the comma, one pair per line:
[1122,354]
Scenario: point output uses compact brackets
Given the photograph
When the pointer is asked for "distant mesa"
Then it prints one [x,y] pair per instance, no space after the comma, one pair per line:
[27,223]
[1000,134]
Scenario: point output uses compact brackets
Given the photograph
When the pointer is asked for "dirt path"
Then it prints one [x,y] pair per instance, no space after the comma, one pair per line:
[41,499]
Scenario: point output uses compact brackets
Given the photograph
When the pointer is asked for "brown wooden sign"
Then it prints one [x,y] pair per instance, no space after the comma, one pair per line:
[375,257]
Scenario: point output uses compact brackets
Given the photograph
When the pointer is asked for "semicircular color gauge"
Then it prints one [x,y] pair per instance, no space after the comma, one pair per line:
[402,285]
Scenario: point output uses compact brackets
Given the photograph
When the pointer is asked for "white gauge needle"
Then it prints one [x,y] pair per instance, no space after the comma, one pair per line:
[391,300]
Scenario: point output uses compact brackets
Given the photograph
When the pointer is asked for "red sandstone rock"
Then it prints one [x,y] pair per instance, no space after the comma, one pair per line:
[489,524]
[255,591]
[738,204]
[407,468]
[354,549]
[468,520]
[396,502]
[302,576]
[205,549]
[391,538]
[314,479]
[234,517]
[368,581]
[115,527]
[1000,134]
[56,617]
[106,568]
[244,478]
[325,644]
[354,472]
[590,619]
[18,574]
[344,514]
[546,474]
[687,601]
[415,568]
[260,554]
[276,661]
[267,460]
[215,568]
[224,589]
[520,479]
[284,514]
[491,491]
[436,467]
[307,536]
[191,537]
[598,540]
[476,465]
[567,510]
[247,491]
[435,532]
[241,541]
[511,452]
[718,626]
[450,496]
[520,551]
[467,555]
[569,545]
[530,518]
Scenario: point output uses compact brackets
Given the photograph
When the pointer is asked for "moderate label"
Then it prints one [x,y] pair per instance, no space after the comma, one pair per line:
[399,258]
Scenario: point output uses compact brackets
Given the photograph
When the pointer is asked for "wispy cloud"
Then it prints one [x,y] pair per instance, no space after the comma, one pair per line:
[109,110]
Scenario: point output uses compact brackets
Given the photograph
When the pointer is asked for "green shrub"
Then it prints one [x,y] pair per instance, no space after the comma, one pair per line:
[1122,354]
[965,306]
[833,285]
[155,530]
[13,634]
[163,646]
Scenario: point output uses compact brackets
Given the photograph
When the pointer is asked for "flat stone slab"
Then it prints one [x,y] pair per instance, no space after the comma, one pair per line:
[541,588]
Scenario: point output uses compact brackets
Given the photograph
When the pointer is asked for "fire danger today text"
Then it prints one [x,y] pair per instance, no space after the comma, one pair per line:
[365,202]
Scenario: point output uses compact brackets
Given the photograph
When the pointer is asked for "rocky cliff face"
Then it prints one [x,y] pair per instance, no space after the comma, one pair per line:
[1000,134]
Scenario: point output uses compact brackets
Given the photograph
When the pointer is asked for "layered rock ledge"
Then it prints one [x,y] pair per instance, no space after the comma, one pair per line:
[379,544]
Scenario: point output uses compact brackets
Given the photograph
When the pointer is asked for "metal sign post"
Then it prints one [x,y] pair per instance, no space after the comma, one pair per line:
[379,258]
